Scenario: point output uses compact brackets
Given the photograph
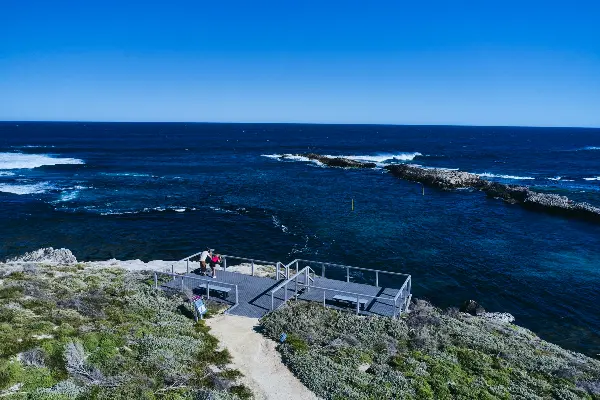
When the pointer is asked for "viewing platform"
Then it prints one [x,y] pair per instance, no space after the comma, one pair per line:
[360,290]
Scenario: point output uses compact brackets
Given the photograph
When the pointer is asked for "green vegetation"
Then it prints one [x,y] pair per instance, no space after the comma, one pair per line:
[428,354]
[89,333]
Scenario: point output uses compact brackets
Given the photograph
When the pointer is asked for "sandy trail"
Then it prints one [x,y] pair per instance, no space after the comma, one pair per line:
[256,357]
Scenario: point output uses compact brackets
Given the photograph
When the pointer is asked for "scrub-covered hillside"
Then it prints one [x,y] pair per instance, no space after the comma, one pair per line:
[428,354]
[75,332]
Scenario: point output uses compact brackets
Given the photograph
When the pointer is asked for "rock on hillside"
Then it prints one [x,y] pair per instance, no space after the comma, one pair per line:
[47,255]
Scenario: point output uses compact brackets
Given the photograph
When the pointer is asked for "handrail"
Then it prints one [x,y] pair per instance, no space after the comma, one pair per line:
[210,280]
[276,288]
[348,266]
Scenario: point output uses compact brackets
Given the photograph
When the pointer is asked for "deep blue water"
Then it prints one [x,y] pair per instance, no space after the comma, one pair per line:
[164,191]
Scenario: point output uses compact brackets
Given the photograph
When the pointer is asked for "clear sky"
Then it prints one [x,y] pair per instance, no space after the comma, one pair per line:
[478,62]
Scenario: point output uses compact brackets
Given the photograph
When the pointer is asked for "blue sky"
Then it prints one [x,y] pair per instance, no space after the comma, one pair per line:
[534,63]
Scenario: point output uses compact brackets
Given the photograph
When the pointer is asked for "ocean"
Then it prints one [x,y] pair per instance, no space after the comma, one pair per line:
[166,190]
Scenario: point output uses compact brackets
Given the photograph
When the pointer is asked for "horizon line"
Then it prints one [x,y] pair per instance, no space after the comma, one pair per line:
[299,123]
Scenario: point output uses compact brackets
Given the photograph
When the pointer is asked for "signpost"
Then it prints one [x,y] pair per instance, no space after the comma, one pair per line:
[200,308]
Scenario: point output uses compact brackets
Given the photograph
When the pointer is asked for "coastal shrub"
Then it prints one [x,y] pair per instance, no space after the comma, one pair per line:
[428,354]
[103,333]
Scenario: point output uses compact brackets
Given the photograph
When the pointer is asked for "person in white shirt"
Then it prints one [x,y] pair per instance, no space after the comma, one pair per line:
[204,257]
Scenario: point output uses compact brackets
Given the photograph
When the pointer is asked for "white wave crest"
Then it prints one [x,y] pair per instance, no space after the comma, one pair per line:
[6,173]
[380,158]
[23,189]
[291,157]
[597,178]
[589,148]
[558,178]
[517,178]
[29,161]
[383,157]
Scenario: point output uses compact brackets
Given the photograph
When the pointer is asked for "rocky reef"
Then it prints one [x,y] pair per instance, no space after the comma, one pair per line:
[515,194]
[452,179]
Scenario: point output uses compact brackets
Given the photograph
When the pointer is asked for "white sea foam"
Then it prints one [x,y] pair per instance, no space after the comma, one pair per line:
[380,158]
[597,178]
[591,148]
[28,161]
[383,157]
[23,189]
[147,210]
[4,173]
[132,174]
[558,178]
[518,178]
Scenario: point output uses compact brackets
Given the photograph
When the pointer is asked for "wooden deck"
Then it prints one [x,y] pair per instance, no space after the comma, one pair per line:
[254,293]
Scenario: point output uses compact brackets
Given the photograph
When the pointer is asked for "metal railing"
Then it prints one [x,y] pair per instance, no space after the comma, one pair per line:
[294,278]
[323,266]
[224,258]
[206,283]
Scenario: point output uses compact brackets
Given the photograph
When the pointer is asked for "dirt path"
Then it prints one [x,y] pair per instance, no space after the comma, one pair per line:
[256,357]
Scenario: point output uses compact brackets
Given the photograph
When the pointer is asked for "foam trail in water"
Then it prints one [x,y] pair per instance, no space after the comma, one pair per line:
[36,188]
[383,157]
[597,178]
[29,161]
[517,178]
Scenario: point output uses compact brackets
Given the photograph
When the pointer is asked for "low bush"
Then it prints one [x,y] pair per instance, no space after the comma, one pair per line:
[428,354]
[81,333]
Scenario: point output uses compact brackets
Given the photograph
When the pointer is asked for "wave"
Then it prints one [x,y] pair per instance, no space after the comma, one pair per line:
[3,173]
[132,174]
[30,161]
[24,189]
[597,178]
[513,177]
[590,148]
[384,157]
[278,224]
[381,158]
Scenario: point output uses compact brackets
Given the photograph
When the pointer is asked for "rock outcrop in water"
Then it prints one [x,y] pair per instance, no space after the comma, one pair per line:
[338,161]
[448,179]
[451,179]
[47,255]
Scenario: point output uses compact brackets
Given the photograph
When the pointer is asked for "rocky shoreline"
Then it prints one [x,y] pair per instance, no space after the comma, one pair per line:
[451,179]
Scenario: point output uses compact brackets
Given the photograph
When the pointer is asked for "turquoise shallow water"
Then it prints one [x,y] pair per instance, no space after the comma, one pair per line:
[163,191]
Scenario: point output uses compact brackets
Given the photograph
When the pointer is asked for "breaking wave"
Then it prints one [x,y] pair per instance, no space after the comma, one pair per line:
[29,161]
[24,189]
[513,177]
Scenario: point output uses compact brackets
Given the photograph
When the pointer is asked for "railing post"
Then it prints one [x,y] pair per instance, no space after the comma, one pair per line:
[187,263]
[155,281]
[252,267]
[376,278]
[297,267]
[224,263]
[347,274]
[182,283]
[277,271]
[357,305]
[296,283]
[322,270]
[324,299]
[236,295]
[207,291]
[272,301]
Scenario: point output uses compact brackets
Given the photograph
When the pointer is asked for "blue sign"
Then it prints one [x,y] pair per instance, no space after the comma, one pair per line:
[200,306]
